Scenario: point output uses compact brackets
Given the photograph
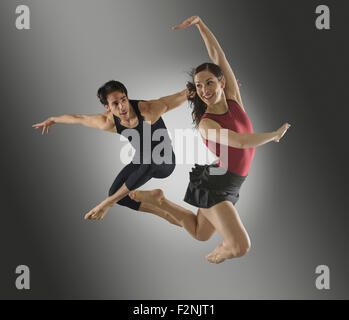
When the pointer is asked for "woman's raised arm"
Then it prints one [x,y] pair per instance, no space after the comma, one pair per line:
[217,56]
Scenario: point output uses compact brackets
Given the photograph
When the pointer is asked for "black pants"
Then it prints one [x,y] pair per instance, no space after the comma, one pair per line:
[136,175]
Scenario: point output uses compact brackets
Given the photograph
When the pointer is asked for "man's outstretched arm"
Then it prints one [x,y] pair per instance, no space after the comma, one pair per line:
[98,121]
[156,108]
[174,100]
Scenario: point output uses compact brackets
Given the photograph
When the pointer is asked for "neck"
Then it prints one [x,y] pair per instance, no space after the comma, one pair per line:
[132,117]
[219,107]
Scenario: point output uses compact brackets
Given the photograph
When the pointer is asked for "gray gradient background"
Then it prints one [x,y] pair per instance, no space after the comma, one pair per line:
[294,203]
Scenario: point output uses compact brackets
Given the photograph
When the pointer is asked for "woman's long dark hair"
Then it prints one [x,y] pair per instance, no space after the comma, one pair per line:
[198,106]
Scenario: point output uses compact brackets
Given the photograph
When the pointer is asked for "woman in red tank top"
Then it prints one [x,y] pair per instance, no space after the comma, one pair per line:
[220,116]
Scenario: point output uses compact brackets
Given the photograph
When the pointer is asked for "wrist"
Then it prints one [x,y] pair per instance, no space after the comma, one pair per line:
[200,23]
[109,202]
[274,135]
[53,119]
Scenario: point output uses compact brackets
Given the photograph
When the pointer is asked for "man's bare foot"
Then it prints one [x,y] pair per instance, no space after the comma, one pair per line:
[97,213]
[154,196]
[219,254]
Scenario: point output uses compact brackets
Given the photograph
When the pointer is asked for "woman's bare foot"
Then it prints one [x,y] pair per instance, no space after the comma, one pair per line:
[154,196]
[219,254]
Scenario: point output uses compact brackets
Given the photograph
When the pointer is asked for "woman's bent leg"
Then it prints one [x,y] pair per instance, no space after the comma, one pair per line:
[236,242]
[147,207]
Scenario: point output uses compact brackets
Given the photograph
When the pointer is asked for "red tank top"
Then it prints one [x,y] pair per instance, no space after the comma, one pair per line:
[235,119]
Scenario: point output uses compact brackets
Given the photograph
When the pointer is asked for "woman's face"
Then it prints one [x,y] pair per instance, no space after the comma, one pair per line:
[208,87]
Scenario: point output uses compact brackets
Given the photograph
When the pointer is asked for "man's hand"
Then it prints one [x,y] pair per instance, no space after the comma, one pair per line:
[45,125]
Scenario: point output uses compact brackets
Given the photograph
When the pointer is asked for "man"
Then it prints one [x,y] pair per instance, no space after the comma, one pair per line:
[139,122]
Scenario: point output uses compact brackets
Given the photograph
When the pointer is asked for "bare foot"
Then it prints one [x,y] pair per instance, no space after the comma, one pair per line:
[154,196]
[97,213]
[219,254]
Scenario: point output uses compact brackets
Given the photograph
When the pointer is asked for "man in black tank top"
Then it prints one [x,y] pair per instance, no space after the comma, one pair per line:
[141,123]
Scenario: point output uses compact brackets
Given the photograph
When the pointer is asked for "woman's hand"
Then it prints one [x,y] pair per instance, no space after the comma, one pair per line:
[45,125]
[188,22]
[281,131]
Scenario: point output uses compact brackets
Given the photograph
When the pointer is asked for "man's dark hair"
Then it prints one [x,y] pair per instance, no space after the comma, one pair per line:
[108,88]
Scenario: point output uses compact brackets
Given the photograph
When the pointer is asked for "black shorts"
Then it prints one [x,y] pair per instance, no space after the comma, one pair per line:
[207,188]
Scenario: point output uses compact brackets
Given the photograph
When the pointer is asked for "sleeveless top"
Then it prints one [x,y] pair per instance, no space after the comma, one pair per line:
[238,160]
[148,146]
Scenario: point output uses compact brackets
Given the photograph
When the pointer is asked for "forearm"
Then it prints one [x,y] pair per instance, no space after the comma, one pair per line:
[175,100]
[250,140]
[213,48]
[68,119]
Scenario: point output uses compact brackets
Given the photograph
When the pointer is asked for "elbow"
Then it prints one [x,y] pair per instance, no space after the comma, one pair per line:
[214,56]
[236,140]
[242,143]
[236,144]
[217,56]
[247,141]
[79,119]
[164,105]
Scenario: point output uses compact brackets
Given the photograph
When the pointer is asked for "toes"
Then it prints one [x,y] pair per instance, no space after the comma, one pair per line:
[211,257]
[215,259]
[215,256]
[219,260]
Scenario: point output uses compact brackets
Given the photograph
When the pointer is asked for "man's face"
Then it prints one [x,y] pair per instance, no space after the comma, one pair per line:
[119,105]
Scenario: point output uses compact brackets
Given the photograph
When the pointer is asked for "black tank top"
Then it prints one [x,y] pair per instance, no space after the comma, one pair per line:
[150,147]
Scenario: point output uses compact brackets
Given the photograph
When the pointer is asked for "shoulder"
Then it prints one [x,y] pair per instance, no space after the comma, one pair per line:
[206,125]
[143,106]
[232,99]
[149,110]
[109,121]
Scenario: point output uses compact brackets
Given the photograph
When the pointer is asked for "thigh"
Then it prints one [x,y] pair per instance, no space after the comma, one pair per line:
[121,178]
[225,218]
[162,171]
[139,176]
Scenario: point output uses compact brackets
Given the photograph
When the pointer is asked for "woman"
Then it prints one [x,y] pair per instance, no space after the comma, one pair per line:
[217,106]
